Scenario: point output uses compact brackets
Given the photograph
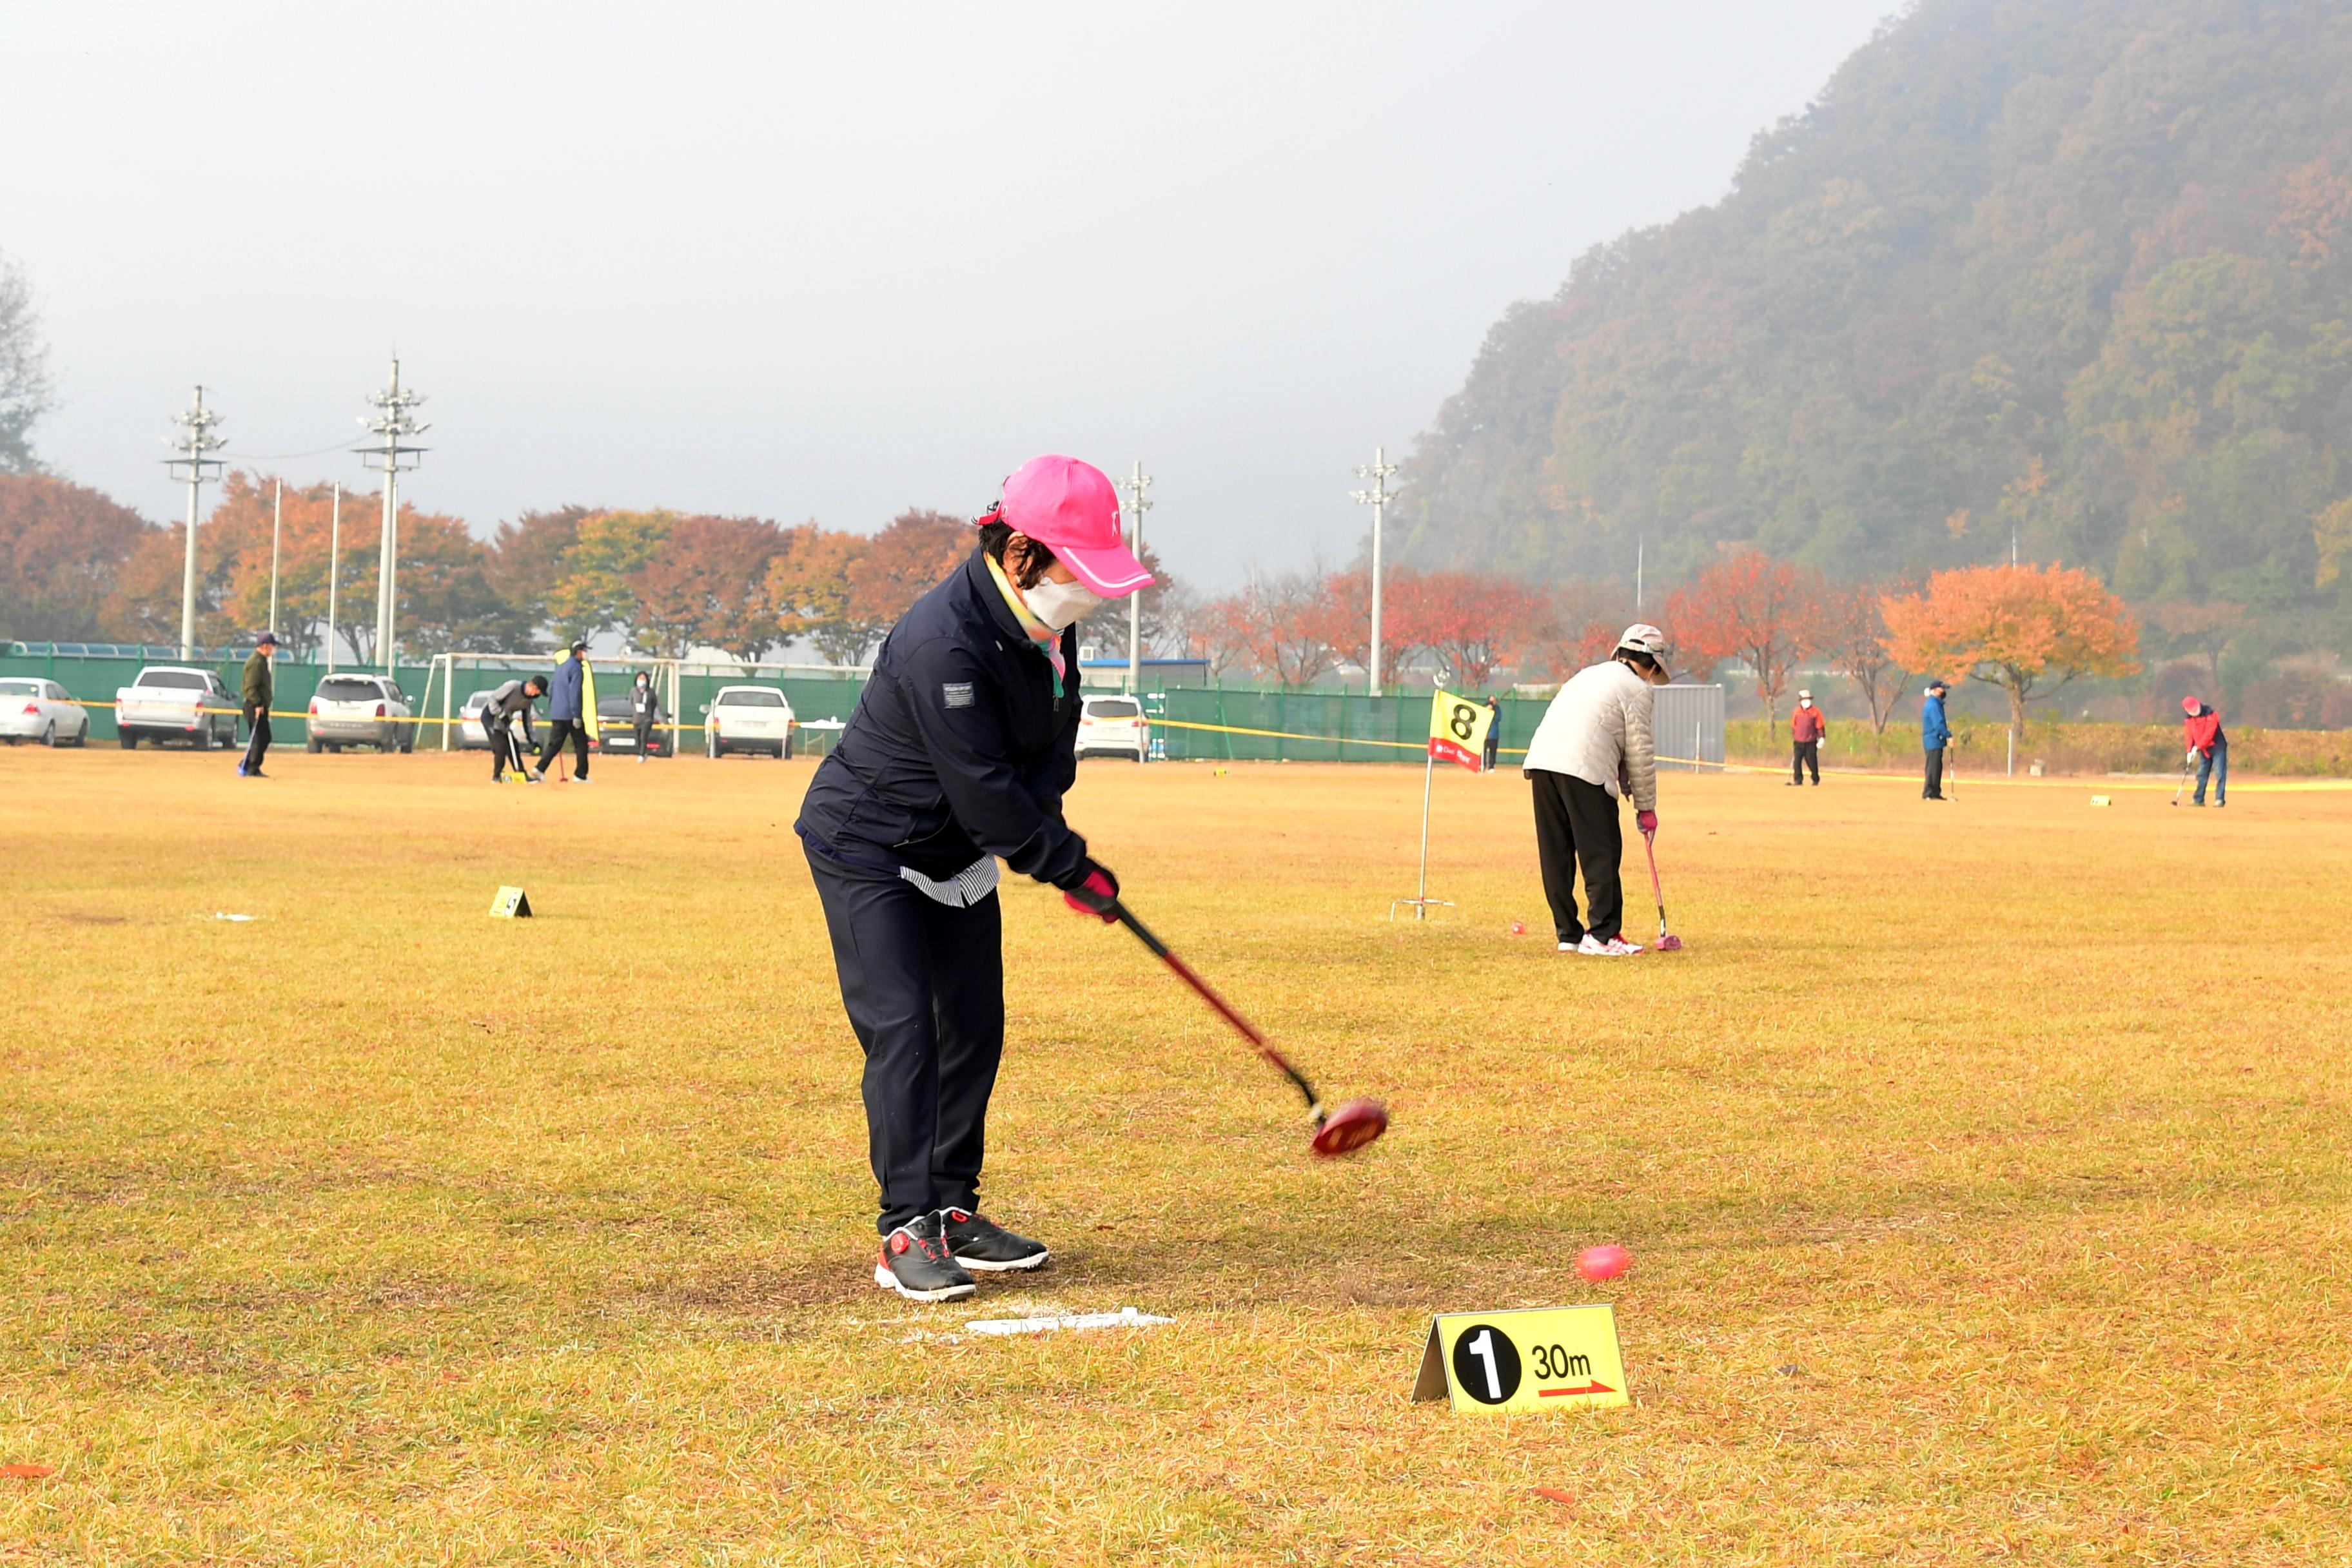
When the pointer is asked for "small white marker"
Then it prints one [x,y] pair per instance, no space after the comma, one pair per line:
[1125,1317]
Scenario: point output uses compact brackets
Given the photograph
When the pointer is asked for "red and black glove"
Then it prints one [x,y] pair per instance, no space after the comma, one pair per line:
[1095,894]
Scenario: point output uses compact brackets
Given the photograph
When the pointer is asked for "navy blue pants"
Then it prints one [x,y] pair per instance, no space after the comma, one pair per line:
[923,984]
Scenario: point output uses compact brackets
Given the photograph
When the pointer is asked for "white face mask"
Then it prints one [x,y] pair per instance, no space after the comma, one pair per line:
[1059,605]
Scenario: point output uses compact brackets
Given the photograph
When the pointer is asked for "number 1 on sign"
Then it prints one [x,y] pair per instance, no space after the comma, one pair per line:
[1482,1347]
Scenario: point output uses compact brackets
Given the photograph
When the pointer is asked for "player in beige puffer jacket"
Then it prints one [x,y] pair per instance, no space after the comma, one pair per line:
[1596,744]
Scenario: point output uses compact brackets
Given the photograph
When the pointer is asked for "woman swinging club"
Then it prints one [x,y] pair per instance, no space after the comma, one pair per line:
[958,756]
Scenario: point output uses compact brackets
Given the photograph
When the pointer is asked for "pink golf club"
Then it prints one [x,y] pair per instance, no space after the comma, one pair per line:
[1665,942]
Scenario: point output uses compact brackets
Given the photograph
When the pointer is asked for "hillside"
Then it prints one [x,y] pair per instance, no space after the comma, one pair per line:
[2081,267]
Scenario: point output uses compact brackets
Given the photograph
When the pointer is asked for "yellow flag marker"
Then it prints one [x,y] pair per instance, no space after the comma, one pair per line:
[511,904]
[1541,1358]
[1458,730]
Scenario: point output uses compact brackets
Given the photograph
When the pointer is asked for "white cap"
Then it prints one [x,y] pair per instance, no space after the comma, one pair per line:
[1805,695]
[1643,637]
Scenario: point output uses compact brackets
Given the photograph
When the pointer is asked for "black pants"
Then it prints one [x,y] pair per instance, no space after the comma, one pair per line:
[1576,824]
[924,987]
[258,746]
[557,730]
[1935,790]
[645,727]
[1809,754]
[503,754]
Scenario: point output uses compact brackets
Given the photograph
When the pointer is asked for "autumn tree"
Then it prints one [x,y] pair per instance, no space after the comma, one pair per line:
[1273,626]
[1854,640]
[1579,628]
[1165,605]
[906,561]
[2029,630]
[707,585]
[526,560]
[591,590]
[1474,624]
[1767,614]
[808,593]
[61,546]
[2205,631]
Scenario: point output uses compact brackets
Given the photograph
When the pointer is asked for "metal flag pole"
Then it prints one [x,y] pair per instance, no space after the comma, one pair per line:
[1421,891]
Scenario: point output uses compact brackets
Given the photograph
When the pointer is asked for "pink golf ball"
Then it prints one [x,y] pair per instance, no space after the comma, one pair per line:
[1598,1263]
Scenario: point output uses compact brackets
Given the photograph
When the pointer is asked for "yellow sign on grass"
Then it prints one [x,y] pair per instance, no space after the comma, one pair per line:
[1540,1358]
[511,904]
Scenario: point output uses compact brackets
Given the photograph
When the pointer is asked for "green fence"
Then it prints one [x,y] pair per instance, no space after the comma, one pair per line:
[1237,724]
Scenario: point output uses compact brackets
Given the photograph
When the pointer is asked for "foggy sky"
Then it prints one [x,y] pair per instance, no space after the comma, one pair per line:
[834,261]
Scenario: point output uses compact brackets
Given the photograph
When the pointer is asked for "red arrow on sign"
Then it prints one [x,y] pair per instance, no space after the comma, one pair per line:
[1595,1386]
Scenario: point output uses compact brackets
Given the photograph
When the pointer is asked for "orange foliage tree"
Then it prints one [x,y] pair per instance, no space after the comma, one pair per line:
[1473,624]
[708,583]
[2029,630]
[60,547]
[906,561]
[1768,614]
[808,592]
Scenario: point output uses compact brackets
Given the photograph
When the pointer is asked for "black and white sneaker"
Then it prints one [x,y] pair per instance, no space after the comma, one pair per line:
[986,1247]
[915,1263]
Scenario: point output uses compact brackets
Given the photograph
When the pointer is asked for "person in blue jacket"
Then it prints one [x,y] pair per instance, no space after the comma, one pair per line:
[565,716]
[1934,735]
[958,755]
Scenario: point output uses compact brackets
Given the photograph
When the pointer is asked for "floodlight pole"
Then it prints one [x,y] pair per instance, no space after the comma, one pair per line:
[1137,505]
[277,528]
[194,450]
[1378,497]
[334,570]
[393,423]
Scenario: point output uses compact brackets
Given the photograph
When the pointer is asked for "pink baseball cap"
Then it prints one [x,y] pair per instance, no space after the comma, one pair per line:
[2190,705]
[1071,508]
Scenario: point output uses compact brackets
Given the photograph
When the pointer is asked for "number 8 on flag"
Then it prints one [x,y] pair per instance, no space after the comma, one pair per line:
[1458,730]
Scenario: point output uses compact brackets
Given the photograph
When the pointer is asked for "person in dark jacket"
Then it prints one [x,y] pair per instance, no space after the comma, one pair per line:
[258,690]
[1934,735]
[644,712]
[958,755]
[567,716]
[2208,752]
[508,709]
[1806,728]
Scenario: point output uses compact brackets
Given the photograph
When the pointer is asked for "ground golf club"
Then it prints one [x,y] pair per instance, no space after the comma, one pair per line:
[1341,1130]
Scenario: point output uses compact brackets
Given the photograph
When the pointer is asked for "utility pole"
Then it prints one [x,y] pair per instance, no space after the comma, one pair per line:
[394,422]
[1137,505]
[194,450]
[334,570]
[1378,499]
[277,527]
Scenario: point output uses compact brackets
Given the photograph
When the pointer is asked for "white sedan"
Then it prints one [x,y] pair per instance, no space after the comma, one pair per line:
[36,709]
[748,718]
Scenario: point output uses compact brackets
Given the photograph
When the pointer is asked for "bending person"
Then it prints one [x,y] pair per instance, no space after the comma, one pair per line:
[958,755]
[1596,744]
[507,709]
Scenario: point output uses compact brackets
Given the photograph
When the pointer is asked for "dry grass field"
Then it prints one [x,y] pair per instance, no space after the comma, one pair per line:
[1984,1167]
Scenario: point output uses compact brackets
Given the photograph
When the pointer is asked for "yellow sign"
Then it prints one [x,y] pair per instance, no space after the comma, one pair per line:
[1458,730]
[588,699]
[1542,1358]
[511,904]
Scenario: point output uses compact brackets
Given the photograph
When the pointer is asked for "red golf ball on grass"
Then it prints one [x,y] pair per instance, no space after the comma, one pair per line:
[1598,1263]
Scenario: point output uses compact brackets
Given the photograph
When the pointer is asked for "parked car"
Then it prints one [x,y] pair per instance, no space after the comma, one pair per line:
[748,718]
[466,728]
[37,710]
[617,733]
[361,710]
[176,703]
[1113,726]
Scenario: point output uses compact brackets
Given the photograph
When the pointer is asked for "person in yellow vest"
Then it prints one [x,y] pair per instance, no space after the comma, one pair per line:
[568,708]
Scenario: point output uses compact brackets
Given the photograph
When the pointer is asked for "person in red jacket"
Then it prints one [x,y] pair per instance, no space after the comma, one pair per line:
[2209,751]
[1806,728]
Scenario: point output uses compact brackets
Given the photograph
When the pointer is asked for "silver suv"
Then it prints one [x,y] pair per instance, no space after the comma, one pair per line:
[361,710]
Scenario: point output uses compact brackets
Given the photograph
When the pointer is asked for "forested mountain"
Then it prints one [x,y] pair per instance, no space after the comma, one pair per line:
[2081,267]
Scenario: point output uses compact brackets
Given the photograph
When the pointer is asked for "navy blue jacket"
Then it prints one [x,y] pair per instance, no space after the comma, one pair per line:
[563,692]
[1935,731]
[958,749]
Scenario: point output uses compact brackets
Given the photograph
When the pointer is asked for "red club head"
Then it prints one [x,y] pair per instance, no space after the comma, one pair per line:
[1350,1127]
[1670,944]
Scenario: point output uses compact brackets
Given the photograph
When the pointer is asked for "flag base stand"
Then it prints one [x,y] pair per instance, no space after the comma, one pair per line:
[1420,906]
